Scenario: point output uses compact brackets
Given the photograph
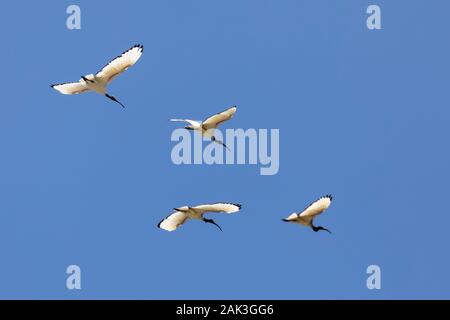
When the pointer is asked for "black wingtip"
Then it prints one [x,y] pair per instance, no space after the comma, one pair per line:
[235,204]
[159,224]
[140,46]
[285,220]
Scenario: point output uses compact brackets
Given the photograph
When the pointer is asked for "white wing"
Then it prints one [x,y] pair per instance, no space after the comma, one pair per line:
[317,207]
[71,87]
[173,221]
[193,123]
[120,64]
[215,120]
[292,217]
[218,207]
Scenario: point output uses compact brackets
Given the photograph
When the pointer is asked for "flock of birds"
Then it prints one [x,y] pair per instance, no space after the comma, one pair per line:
[99,82]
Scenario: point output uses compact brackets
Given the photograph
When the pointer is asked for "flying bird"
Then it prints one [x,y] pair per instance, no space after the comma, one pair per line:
[307,216]
[207,127]
[101,79]
[182,214]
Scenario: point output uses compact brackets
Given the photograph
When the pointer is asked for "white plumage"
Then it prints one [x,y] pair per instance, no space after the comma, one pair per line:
[99,82]
[206,128]
[182,214]
[306,217]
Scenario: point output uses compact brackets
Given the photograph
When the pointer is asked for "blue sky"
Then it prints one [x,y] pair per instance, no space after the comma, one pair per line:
[362,114]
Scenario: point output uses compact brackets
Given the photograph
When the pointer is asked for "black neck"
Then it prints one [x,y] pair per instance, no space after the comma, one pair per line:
[318,228]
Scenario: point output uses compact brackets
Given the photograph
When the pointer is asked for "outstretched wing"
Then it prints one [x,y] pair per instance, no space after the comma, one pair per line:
[317,207]
[173,221]
[71,87]
[191,122]
[218,207]
[215,120]
[292,218]
[120,64]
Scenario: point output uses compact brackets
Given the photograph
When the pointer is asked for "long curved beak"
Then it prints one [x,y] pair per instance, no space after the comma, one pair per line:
[114,99]
[221,143]
[213,222]
[326,230]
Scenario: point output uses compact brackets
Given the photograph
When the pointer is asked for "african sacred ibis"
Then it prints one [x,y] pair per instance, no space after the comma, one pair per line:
[206,128]
[307,216]
[182,214]
[101,79]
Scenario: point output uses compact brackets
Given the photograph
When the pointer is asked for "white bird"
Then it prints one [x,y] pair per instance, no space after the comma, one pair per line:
[182,214]
[207,127]
[307,216]
[101,79]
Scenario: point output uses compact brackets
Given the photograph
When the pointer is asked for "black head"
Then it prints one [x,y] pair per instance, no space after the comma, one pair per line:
[316,229]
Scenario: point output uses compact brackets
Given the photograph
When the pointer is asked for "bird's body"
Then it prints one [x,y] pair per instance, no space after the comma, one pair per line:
[100,81]
[306,217]
[93,83]
[182,214]
[207,127]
